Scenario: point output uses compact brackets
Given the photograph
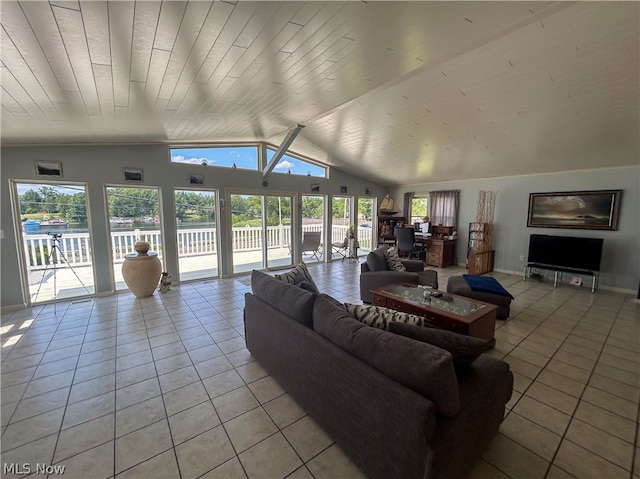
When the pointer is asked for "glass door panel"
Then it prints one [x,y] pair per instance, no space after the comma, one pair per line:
[55,240]
[246,233]
[196,223]
[312,214]
[133,214]
[341,218]
[279,229]
[365,226]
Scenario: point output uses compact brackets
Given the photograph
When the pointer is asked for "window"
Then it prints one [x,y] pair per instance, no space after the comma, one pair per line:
[419,209]
[228,156]
[295,165]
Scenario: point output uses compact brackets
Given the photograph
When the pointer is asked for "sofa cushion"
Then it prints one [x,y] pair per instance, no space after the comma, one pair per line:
[380,317]
[393,260]
[376,260]
[291,300]
[422,367]
[298,273]
[333,300]
[464,349]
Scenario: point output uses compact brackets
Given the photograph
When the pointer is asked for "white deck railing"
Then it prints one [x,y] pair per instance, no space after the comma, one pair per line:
[191,242]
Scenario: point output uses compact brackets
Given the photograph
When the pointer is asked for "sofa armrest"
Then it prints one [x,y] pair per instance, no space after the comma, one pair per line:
[414,265]
[377,279]
[484,391]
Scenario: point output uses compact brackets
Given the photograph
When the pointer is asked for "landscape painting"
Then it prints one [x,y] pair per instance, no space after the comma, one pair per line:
[592,210]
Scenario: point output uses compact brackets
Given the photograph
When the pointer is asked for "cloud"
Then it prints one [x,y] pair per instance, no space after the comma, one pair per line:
[284,165]
[195,161]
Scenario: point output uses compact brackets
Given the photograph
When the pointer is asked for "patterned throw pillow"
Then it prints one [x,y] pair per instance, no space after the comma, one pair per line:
[393,260]
[299,270]
[379,317]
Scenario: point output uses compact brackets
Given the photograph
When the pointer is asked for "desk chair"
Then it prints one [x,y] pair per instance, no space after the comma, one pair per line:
[407,243]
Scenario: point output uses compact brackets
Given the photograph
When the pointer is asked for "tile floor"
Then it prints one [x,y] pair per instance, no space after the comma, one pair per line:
[164,387]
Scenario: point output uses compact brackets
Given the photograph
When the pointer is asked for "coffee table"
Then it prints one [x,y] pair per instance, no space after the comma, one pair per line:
[448,311]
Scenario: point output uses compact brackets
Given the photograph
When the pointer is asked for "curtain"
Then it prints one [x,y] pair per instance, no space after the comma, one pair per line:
[443,208]
[406,209]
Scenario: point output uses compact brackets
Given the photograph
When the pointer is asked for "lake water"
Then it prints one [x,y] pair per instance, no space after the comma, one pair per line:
[84,228]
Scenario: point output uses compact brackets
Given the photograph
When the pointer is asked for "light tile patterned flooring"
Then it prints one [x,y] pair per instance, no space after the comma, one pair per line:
[164,387]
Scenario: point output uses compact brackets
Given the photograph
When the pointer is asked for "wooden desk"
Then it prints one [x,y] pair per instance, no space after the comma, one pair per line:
[440,251]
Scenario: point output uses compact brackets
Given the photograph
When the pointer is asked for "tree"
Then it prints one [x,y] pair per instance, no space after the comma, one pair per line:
[132,202]
[419,208]
[49,199]
[312,207]
[30,202]
[75,208]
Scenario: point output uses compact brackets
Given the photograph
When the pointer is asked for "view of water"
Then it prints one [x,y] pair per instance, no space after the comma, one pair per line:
[142,226]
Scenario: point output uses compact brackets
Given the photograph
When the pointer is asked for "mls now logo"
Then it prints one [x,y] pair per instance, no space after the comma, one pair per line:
[27,468]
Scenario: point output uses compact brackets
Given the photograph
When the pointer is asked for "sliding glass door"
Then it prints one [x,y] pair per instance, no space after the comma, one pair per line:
[312,222]
[56,240]
[341,218]
[196,230]
[261,231]
[365,226]
[134,213]
[278,231]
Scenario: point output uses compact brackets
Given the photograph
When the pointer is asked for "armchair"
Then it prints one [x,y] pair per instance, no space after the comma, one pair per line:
[374,274]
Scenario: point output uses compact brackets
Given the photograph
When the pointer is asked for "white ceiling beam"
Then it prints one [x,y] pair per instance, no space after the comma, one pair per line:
[284,146]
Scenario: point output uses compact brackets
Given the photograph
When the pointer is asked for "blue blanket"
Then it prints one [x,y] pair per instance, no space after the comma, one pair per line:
[486,284]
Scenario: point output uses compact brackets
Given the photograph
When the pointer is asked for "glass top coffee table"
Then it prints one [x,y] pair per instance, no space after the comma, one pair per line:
[440,310]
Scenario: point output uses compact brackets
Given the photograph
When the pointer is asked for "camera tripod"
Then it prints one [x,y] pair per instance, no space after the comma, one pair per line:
[54,259]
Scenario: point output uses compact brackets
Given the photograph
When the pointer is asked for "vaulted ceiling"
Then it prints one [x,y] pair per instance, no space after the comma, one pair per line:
[398,92]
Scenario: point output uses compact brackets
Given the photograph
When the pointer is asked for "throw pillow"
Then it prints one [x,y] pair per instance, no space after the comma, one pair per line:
[304,283]
[299,270]
[287,298]
[393,260]
[376,260]
[380,317]
[464,349]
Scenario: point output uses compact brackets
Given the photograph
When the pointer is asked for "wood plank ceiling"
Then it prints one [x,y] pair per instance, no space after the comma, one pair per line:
[399,92]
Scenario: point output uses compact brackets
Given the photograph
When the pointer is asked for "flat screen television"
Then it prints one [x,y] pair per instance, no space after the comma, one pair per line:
[565,252]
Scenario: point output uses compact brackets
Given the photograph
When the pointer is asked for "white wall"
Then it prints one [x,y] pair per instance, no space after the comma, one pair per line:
[621,250]
[97,166]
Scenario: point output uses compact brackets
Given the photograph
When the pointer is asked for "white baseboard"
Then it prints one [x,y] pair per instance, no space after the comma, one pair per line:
[12,307]
[603,287]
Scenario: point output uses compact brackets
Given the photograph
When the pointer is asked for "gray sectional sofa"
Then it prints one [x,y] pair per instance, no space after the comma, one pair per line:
[395,405]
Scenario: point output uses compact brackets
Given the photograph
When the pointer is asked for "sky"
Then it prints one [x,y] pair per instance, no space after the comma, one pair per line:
[243,157]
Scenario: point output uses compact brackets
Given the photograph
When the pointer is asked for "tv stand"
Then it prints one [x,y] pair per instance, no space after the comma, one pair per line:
[558,270]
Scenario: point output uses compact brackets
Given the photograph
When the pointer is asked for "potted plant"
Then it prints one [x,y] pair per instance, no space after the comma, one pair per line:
[352,231]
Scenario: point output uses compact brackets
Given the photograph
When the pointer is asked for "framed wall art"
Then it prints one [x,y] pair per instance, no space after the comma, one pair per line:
[48,168]
[589,210]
